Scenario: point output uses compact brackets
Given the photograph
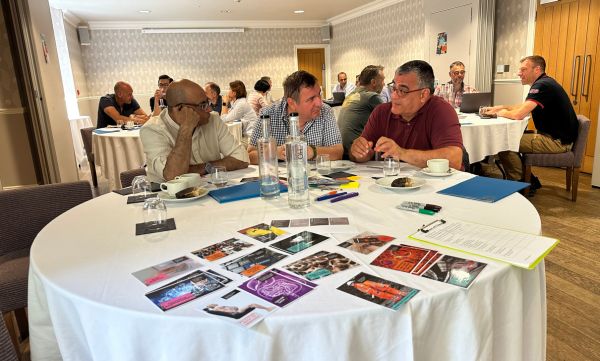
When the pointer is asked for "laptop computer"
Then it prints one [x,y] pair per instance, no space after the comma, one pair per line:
[472,101]
[338,99]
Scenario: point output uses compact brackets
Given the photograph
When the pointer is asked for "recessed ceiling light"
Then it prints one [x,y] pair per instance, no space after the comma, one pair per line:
[225,11]
[298,11]
[144,11]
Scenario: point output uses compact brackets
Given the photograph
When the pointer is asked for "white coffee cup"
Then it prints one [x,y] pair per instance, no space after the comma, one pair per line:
[438,165]
[129,124]
[174,186]
[192,178]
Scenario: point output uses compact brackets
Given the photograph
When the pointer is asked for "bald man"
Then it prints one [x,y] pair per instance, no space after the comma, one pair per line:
[189,137]
[119,106]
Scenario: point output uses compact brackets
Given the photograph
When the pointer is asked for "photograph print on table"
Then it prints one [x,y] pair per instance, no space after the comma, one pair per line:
[166,270]
[299,242]
[401,258]
[378,290]
[222,249]
[320,264]
[262,232]
[366,242]
[278,287]
[455,271]
[239,308]
[254,262]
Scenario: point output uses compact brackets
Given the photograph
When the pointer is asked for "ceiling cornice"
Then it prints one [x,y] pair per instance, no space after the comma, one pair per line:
[71,18]
[104,25]
[361,10]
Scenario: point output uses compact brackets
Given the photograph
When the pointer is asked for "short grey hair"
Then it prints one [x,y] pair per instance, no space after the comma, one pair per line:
[457,63]
[424,73]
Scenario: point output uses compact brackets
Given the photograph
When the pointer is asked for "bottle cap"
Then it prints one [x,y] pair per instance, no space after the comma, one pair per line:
[265,116]
[293,114]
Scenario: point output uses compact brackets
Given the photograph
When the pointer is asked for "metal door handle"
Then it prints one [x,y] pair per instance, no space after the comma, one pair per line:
[583,77]
[573,76]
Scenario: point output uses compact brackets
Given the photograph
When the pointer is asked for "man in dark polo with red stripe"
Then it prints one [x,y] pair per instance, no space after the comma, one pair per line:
[553,116]
[415,126]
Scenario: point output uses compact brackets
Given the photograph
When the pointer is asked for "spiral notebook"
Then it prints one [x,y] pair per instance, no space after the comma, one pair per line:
[484,189]
[239,192]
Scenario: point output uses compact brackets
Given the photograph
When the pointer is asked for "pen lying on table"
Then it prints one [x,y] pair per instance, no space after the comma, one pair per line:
[353,194]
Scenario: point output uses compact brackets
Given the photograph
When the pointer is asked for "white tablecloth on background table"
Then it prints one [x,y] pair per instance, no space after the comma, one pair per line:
[84,304]
[485,137]
[76,125]
[235,128]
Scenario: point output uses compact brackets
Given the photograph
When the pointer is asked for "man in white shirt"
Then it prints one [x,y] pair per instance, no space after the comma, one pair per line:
[343,85]
[188,137]
[269,96]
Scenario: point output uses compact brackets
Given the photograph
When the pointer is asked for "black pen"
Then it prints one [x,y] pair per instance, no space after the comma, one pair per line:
[429,207]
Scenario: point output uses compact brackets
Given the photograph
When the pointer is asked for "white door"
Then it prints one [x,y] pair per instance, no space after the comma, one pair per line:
[456,23]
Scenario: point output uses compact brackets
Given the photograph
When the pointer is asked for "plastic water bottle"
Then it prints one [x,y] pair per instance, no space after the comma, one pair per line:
[267,161]
[297,167]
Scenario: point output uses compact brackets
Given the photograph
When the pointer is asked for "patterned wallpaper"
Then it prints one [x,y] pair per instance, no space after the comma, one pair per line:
[9,92]
[390,37]
[510,35]
[139,59]
[76,60]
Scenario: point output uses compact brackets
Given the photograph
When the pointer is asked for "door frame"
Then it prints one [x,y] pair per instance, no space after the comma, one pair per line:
[327,60]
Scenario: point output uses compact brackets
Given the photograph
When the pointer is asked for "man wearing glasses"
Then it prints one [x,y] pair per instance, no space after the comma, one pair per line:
[159,102]
[415,126]
[189,137]
[456,85]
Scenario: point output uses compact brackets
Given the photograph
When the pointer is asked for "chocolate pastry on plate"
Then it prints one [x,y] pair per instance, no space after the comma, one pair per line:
[190,192]
[403,182]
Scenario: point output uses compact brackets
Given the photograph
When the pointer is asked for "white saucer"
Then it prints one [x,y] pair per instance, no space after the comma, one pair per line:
[429,173]
[386,182]
[169,198]
[341,165]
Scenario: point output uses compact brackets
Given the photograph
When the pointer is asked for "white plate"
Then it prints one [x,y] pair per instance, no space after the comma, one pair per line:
[337,166]
[428,172]
[168,198]
[386,182]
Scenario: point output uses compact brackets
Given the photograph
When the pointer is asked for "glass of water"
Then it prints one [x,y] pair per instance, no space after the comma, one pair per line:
[323,164]
[218,175]
[391,166]
[155,214]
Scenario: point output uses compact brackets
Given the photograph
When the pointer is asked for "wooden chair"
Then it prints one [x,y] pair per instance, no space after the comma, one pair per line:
[86,136]
[572,160]
[127,176]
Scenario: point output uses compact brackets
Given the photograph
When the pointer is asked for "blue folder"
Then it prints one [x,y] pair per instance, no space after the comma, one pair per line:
[242,191]
[484,189]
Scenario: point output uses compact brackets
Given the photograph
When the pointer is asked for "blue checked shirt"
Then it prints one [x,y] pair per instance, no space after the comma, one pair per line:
[320,132]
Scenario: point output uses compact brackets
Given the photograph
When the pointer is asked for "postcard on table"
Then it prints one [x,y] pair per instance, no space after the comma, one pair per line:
[222,249]
[278,287]
[239,308]
[187,288]
[455,271]
[401,258]
[378,290]
[166,270]
[299,242]
[254,262]
[430,259]
[365,242]
[320,264]
[262,232]
[321,222]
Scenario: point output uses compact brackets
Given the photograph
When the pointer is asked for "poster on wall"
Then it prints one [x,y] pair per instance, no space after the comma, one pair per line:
[442,43]
[44,47]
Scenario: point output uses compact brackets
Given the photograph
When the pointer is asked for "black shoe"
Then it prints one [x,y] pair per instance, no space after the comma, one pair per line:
[535,182]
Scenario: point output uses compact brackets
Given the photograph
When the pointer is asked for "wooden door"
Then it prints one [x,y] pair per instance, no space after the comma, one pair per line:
[313,61]
[566,35]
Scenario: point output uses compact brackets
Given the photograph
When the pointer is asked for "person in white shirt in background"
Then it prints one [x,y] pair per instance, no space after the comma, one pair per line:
[256,99]
[343,85]
[269,96]
[240,110]
[357,82]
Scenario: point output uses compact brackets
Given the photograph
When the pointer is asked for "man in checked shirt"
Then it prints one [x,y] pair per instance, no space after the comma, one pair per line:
[456,84]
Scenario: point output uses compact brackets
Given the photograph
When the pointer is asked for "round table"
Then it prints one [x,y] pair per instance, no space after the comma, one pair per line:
[121,151]
[84,303]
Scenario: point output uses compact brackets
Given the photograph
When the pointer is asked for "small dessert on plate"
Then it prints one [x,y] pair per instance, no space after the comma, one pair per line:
[190,192]
[403,182]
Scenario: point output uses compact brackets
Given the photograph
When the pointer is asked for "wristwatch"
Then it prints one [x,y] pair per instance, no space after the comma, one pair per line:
[208,168]
[314,148]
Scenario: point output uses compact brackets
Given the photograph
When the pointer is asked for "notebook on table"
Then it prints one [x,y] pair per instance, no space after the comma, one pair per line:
[239,192]
[484,189]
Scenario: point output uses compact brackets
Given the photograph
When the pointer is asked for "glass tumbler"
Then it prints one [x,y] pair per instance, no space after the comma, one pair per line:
[140,186]
[323,164]
[155,214]
[391,166]
[218,175]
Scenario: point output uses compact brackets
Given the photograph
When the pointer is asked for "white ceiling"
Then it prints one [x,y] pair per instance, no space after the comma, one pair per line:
[206,10]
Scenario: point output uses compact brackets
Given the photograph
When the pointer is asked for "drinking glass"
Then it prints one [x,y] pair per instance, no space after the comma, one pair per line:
[323,164]
[154,211]
[119,123]
[391,166]
[218,175]
[141,186]
[482,110]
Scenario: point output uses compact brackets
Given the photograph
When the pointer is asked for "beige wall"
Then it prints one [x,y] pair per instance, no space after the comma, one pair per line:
[53,94]
[76,60]
[510,35]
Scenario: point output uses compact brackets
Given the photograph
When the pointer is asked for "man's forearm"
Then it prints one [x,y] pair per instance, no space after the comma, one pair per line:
[178,160]
[230,163]
[420,157]
[253,154]
[335,152]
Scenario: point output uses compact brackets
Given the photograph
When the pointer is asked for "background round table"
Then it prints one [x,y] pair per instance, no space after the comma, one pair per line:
[84,304]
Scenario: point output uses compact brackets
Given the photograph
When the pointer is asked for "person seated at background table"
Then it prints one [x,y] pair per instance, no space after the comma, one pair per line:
[457,75]
[415,126]
[552,113]
[342,86]
[119,106]
[302,95]
[357,81]
[359,105]
[386,93]
[240,110]
[269,96]
[213,91]
[158,102]
[256,99]
[189,137]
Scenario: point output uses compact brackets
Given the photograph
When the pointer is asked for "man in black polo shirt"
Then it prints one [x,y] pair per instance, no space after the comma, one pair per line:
[119,106]
[553,116]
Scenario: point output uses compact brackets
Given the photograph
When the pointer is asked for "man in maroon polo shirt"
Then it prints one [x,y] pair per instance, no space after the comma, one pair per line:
[415,126]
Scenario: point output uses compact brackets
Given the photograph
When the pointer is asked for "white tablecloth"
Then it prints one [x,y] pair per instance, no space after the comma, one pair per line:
[76,125]
[85,305]
[483,137]
[235,128]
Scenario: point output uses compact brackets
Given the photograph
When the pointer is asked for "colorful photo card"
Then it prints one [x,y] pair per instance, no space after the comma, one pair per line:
[378,290]
[166,270]
[299,242]
[252,263]
[187,288]
[455,271]
[262,232]
[239,308]
[366,242]
[320,264]
[278,287]
[222,249]
[401,258]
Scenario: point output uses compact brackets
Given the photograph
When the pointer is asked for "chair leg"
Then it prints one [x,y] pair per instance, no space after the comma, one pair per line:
[11,333]
[93,171]
[22,323]
[575,184]
[569,177]
[501,170]
[527,180]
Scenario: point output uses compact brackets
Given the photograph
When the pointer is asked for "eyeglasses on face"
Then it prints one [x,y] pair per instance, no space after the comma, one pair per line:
[204,106]
[161,85]
[457,73]
[402,92]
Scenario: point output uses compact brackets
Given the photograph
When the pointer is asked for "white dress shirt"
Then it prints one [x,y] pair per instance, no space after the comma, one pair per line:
[241,110]
[338,89]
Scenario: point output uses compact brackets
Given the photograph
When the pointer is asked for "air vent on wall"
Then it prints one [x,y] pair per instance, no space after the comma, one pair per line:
[326,33]
[84,35]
